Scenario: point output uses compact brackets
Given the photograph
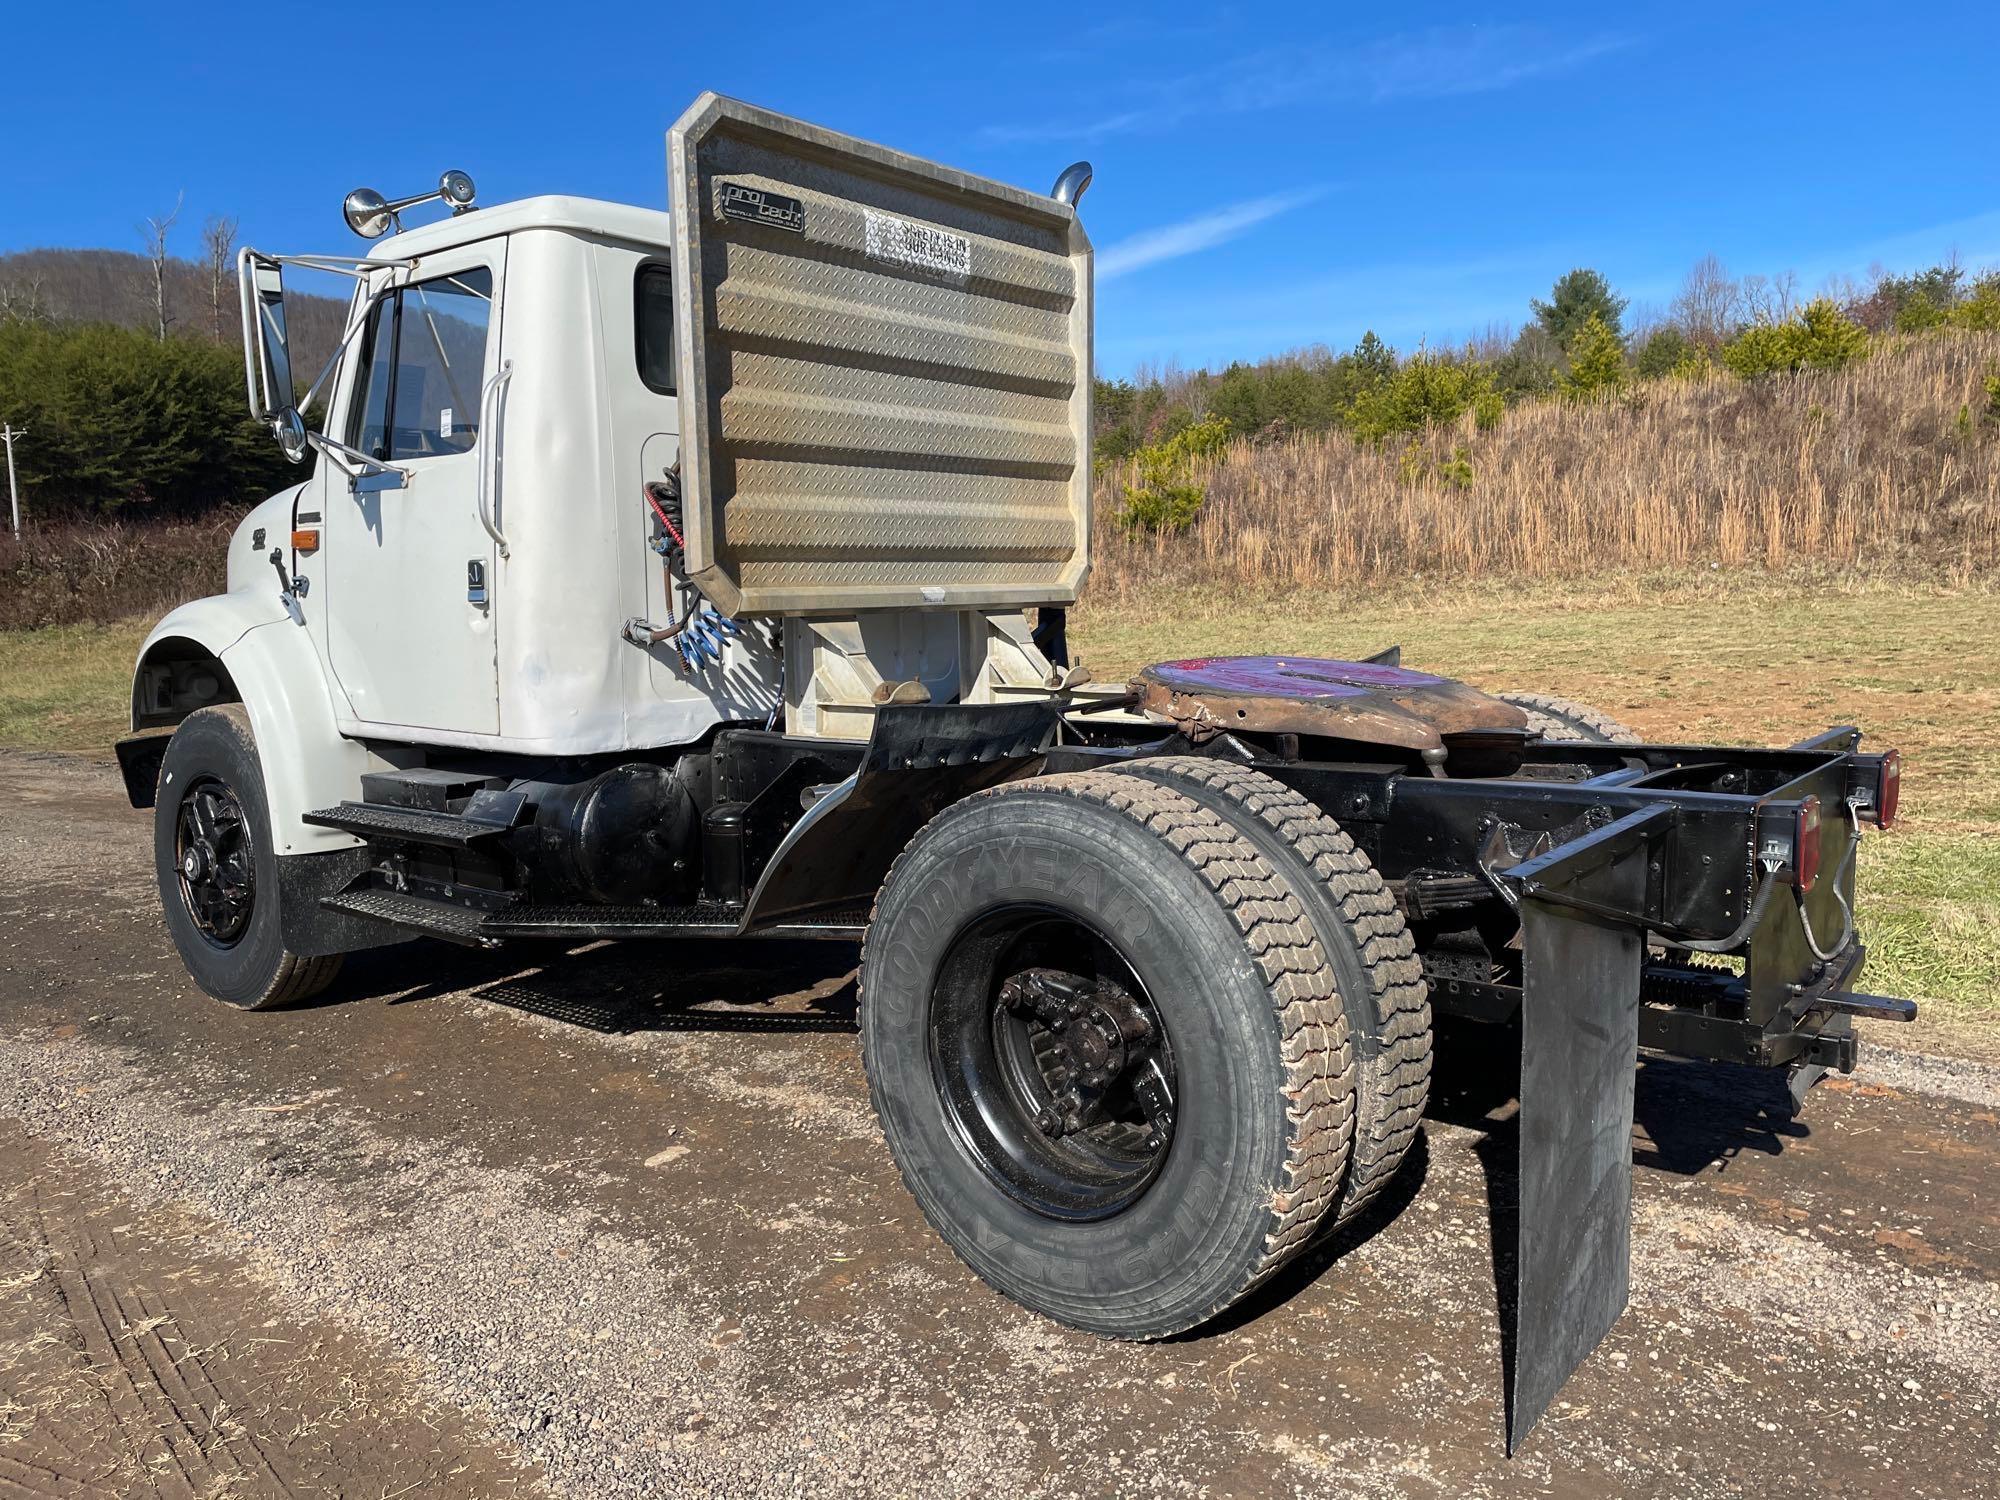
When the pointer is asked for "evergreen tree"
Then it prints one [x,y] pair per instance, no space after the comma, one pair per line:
[1596,361]
[1575,299]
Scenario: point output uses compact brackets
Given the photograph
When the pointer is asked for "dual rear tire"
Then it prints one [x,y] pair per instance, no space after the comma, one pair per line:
[1136,1038]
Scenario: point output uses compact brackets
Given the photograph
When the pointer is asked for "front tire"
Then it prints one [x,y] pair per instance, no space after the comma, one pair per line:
[1120,888]
[218,869]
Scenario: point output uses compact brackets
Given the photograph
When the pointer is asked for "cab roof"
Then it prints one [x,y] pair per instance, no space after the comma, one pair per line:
[618,221]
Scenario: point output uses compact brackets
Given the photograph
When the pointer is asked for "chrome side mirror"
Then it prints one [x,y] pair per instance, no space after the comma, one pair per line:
[267,358]
[367,213]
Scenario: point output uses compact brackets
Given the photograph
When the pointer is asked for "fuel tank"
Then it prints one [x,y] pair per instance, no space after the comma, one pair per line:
[1361,702]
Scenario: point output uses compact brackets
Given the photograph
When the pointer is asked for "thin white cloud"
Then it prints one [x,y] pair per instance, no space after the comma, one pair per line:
[1432,64]
[1203,232]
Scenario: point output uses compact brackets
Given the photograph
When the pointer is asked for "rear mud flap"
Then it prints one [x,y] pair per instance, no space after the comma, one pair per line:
[1579,1056]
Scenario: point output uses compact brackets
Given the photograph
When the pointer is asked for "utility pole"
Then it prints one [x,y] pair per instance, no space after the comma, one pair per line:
[8,434]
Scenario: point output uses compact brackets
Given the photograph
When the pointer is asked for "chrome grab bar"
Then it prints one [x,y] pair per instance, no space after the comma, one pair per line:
[489,461]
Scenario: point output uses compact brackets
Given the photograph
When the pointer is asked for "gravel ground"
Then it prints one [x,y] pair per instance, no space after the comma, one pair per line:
[619,1222]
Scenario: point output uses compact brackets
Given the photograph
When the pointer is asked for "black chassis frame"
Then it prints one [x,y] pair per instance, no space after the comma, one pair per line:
[1456,849]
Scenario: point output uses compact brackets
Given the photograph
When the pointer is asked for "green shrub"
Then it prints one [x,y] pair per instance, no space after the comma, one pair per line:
[1980,312]
[1662,352]
[1488,407]
[1696,364]
[1919,314]
[1414,466]
[1596,362]
[1161,508]
[1430,390]
[1165,499]
[1820,338]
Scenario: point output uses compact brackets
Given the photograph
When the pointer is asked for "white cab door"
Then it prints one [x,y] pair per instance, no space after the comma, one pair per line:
[411,569]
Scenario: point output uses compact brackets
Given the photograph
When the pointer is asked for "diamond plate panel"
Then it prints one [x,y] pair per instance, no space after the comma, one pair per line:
[884,374]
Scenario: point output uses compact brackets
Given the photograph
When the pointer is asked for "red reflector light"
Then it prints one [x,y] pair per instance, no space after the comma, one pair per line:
[1888,788]
[1805,845]
[306,541]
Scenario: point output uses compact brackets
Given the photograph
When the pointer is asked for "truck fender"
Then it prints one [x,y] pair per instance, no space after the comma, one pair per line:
[255,655]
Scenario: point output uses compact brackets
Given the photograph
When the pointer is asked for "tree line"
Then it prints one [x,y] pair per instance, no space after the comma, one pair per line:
[1576,345]
[126,372]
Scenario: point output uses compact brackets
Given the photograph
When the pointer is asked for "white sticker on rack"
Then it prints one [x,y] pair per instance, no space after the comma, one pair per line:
[920,245]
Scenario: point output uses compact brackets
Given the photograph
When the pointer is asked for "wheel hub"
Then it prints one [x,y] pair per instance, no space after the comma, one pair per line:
[1095,1033]
[216,864]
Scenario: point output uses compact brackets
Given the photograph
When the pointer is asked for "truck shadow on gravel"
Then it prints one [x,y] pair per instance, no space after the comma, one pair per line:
[1688,1118]
[621,989]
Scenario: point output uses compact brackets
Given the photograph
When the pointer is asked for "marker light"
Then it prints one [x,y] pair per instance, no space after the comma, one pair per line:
[1805,845]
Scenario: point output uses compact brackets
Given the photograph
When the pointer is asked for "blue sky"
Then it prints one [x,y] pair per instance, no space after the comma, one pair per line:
[1267,176]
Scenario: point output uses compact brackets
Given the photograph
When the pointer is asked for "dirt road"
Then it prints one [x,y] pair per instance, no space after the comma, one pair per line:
[620,1222]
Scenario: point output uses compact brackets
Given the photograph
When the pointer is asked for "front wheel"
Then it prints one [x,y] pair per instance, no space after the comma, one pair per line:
[218,870]
[1107,1051]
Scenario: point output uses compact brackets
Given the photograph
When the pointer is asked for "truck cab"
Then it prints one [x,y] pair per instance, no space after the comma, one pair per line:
[514,369]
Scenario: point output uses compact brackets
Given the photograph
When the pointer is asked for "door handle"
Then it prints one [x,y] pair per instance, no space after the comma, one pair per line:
[475,580]
[489,437]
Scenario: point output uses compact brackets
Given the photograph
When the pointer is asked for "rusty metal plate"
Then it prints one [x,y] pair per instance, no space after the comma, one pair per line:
[884,374]
[1350,700]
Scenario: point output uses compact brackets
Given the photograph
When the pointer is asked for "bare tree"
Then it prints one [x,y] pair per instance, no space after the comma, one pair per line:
[1771,299]
[218,242]
[23,301]
[1709,304]
[155,232]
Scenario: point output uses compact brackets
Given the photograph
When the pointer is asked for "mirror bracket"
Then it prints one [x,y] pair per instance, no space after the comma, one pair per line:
[381,479]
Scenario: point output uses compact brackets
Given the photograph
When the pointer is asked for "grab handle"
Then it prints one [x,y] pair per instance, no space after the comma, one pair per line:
[489,462]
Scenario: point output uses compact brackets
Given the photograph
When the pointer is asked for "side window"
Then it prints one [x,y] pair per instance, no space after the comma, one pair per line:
[653,291]
[424,360]
[370,428]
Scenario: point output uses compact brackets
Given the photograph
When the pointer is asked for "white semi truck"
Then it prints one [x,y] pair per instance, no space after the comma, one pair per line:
[665,575]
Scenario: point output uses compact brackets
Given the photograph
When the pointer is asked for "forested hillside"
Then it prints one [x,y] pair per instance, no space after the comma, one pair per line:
[116,286]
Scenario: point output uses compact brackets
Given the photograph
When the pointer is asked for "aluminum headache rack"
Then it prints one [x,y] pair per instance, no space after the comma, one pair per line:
[884,374]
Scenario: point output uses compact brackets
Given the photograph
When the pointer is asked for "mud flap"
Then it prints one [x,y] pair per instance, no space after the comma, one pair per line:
[1579,1055]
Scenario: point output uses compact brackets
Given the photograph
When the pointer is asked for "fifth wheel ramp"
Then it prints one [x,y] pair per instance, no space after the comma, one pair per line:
[884,374]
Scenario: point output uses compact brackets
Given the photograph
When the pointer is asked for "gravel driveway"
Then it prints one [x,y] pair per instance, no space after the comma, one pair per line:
[618,1221]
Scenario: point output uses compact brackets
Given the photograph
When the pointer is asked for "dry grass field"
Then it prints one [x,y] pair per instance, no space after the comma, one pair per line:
[1890,465]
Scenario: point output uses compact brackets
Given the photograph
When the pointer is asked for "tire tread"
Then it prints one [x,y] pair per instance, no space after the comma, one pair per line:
[1554,718]
[1393,1075]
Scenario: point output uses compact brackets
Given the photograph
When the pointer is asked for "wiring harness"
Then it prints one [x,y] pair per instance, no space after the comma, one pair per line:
[699,630]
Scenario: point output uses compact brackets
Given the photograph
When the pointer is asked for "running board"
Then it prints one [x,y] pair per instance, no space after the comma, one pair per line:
[382,824]
[416,915]
[1579,1058]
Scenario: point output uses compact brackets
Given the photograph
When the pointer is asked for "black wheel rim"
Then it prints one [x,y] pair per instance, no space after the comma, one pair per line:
[215,862]
[1052,1063]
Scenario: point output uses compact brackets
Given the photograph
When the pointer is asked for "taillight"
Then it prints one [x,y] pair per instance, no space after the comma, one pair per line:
[1888,787]
[1805,845]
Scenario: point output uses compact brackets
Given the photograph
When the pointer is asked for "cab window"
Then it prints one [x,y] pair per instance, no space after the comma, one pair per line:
[653,291]
[423,360]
